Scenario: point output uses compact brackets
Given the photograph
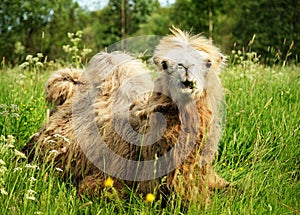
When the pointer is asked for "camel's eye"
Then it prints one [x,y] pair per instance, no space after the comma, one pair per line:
[208,64]
[164,65]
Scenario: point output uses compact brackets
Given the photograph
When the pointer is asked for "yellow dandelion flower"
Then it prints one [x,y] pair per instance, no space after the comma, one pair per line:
[150,197]
[109,182]
[31,108]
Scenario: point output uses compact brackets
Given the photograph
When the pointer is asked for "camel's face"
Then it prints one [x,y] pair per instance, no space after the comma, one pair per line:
[186,68]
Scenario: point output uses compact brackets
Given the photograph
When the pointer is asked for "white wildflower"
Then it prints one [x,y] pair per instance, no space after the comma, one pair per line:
[75,40]
[39,64]
[10,139]
[2,162]
[66,48]
[79,33]
[85,51]
[2,138]
[10,146]
[59,169]
[3,106]
[70,35]
[17,169]
[35,59]
[3,169]
[40,55]
[19,154]
[29,57]
[14,107]
[32,179]
[4,113]
[30,166]
[21,76]
[31,192]
[3,191]
[24,65]
[74,49]
[31,197]
[15,115]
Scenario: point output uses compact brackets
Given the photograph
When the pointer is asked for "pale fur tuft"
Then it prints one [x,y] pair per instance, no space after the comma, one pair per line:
[61,85]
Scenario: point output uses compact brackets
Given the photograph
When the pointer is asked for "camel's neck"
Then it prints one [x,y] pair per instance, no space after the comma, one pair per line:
[191,115]
[159,102]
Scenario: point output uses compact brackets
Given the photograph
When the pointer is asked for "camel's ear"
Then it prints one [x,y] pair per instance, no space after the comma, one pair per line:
[220,63]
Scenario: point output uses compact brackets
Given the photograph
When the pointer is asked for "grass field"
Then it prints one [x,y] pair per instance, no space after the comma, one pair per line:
[259,152]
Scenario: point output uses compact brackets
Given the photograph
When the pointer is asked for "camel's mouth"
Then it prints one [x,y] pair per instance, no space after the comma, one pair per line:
[188,85]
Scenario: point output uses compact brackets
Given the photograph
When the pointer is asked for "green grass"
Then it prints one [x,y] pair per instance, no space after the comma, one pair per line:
[259,152]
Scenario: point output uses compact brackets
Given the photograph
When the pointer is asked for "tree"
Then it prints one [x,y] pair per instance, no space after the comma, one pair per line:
[107,23]
[36,26]
[157,24]
[275,25]
[199,16]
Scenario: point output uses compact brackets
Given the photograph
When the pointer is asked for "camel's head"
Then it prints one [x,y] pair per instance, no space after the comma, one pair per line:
[187,69]
[186,63]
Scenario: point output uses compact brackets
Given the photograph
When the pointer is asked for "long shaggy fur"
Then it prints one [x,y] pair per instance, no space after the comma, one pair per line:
[61,85]
[105,94]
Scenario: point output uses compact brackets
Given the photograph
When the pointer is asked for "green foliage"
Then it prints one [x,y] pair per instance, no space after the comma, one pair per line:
[244,57]
[105,25]
[276,26]
[36,26]
[139,13]
[77,53]
[157,24]
[104,28]
[40,26]
[21,25]
[196,15]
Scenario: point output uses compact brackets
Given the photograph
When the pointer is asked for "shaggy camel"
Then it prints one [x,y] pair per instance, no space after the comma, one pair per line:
[115,120]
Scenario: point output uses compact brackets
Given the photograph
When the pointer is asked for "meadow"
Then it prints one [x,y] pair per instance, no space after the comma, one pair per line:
[259,153]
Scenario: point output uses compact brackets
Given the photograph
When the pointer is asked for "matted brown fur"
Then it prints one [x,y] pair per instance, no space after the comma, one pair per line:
[61,139]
